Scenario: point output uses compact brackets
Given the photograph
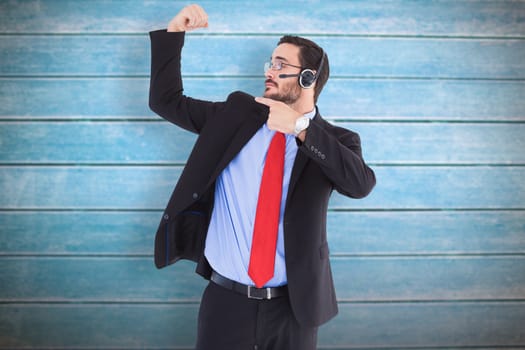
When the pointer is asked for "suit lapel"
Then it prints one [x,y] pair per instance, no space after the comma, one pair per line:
[245,132]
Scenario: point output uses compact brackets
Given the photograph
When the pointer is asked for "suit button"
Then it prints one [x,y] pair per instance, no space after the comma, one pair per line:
[166,216]
[323,156]
[312,148]
[195,195]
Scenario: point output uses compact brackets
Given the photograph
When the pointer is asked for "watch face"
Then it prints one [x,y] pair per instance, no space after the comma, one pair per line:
[301,124]
[305,122]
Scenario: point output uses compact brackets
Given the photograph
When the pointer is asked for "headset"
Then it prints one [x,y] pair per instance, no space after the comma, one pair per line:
[307,77]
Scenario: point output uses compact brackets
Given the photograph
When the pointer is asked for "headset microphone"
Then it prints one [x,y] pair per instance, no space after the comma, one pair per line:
[307,77]
[282,76]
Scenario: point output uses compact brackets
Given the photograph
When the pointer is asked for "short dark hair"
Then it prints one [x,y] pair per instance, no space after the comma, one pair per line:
[310,56]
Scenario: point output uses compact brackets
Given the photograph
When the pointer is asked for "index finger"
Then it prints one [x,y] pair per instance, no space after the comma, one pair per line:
[265,101]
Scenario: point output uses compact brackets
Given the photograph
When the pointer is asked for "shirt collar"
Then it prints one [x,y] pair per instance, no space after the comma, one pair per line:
[311,114]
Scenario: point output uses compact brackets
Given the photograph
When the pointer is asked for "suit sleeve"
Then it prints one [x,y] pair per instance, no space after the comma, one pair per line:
[338,153]
[166,96]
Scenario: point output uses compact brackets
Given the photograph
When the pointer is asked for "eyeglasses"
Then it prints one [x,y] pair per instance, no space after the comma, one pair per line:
[277,65]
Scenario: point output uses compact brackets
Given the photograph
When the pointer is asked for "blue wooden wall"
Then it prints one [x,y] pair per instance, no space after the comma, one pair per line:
[434,258]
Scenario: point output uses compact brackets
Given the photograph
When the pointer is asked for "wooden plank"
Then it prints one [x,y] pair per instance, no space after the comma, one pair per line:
[115,142]
[78,233]
[161,143]
[403,326]
[100,279]
[476,18]
[429,278]
[442,187]
[357,279]
[349,56]
[128,97]
[97,326]
[349,233]
[113,187]
[141,187]
[444,143]
[391,233]
[358,326]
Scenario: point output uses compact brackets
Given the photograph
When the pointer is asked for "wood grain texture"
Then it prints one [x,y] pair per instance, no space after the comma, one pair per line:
[434,258]
[361,326]
[357,279]
[149,187]
[443,18]
[370,57]
[419,99]
[139,142]
[359,233]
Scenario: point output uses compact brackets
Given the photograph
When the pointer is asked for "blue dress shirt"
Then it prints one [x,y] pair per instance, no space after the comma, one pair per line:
[230,232]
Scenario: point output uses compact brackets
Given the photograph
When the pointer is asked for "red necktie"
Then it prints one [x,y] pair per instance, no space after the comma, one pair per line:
[264,241]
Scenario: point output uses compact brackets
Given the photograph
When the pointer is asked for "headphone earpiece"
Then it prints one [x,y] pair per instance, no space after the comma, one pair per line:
[307,77]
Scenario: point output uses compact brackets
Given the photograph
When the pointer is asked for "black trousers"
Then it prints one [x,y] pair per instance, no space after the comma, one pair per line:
[231,321]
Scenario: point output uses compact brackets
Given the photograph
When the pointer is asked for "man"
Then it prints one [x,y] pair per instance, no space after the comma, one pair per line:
[250,206]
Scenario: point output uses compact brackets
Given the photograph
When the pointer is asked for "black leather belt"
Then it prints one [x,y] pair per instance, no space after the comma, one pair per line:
[249,291]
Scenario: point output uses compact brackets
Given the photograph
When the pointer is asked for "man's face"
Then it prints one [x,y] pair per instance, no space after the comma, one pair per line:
[286,90]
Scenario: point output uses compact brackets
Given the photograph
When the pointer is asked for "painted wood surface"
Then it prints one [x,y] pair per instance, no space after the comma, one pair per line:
[155,142]
[359,278]
[380,98]
[149,187]
[368,57]
[433,259]
[418,326]
[373,233]
[445,17]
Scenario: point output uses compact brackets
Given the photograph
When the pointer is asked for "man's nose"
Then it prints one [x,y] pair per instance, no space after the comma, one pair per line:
[269,74]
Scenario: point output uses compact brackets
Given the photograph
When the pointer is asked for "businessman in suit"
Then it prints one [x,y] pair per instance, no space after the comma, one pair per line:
[250,206]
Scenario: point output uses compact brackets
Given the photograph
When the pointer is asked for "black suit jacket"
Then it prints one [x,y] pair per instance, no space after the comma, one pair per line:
[330,158]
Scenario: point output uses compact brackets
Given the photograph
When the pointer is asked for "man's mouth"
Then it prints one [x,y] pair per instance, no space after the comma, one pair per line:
[269,83]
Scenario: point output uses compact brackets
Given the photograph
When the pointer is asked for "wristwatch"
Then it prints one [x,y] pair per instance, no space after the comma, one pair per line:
[301,124]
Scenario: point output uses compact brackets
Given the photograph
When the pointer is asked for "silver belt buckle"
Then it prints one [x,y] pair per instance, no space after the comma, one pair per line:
[250,296]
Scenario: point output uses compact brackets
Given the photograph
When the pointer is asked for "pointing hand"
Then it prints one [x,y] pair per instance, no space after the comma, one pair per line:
[281,116]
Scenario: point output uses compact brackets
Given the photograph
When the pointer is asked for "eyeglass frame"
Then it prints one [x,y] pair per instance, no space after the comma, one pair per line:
[269,65]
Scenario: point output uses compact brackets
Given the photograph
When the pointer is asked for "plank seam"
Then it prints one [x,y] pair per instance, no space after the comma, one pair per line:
[124,164]
[142,302]
[247,76]
[339,119]
[278,34]
[334,256]
[423,347]
[333,210]
[320,347]
[177,164]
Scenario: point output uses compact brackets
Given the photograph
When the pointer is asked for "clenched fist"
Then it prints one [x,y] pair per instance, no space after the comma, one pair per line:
[189,18]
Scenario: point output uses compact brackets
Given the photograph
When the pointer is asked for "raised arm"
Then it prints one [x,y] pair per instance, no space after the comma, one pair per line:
[166,96]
